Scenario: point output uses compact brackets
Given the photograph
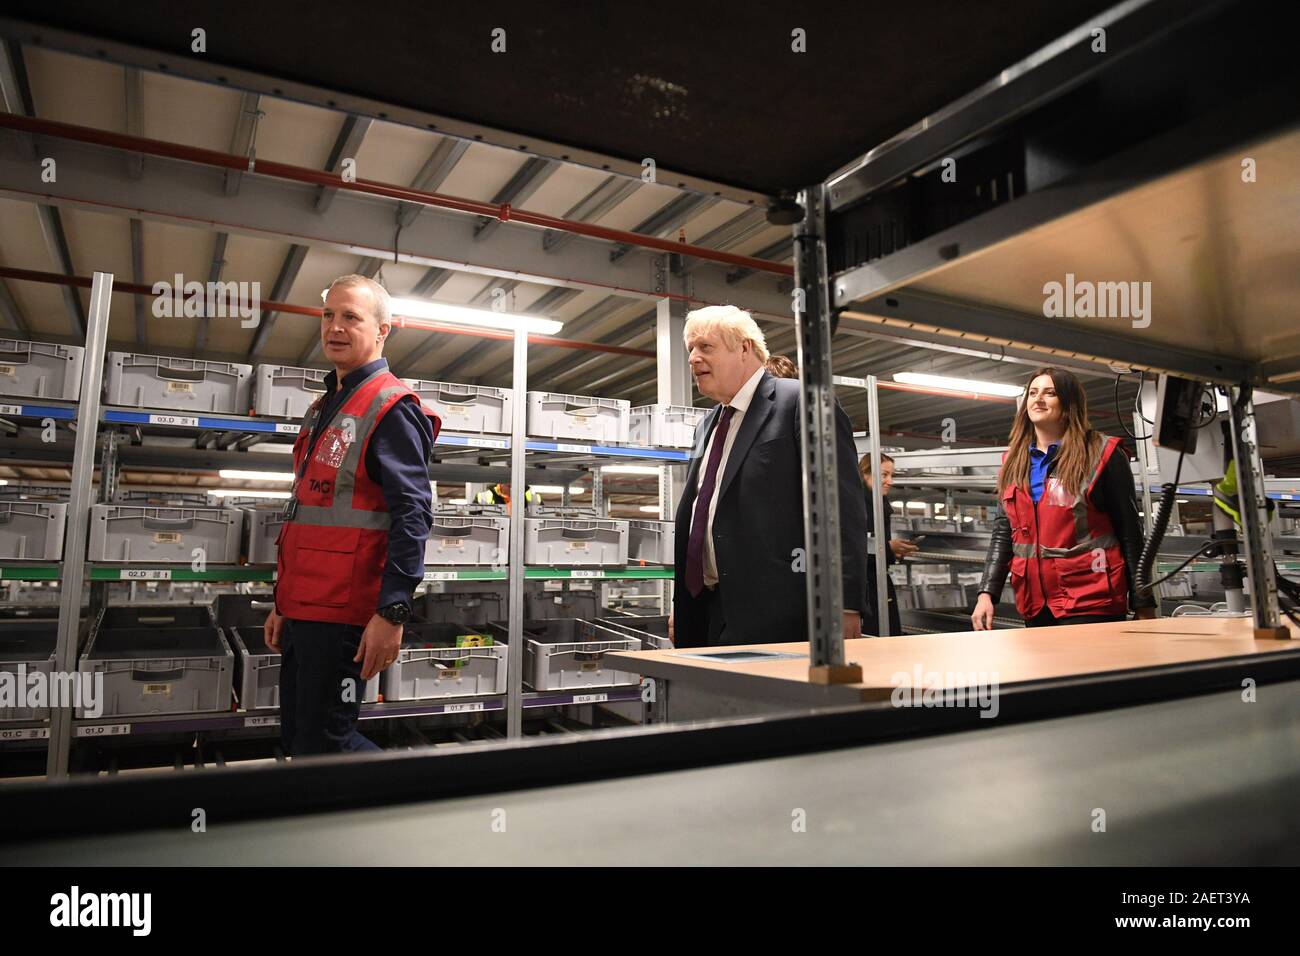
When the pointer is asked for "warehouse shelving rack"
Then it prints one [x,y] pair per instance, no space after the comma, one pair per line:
[227,438]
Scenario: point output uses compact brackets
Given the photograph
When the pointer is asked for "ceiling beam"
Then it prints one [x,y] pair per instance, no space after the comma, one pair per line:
[346,146]
[778,251]
[735,230]
[591,207]
[289,269]
[671,216]
[526,181]
[10,311]
[134,119]
[56,244]
[215,269]
[243,142]
[137,276]
[432,174]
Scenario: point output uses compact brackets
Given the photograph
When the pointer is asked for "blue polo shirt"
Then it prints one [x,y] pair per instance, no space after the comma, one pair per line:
[1039,463]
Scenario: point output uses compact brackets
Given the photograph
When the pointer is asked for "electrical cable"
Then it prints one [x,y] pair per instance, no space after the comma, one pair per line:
[1120,415]
[1164,509]
[1204,551]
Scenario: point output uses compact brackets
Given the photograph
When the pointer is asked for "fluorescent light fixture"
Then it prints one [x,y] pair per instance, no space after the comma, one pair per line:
[464,315]
[958,384]
[244,493]
[556,489]
[915,505]
[629,470]
[457,501]
[967,518]
[239,473]
[4,481]
[1181,501]
[649,509]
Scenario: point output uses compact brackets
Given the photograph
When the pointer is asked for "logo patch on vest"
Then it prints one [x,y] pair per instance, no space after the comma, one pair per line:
[334,444]
[319,486]
[1057,494]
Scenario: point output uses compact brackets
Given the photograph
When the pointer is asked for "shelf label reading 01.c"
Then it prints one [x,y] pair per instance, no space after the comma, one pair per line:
[261,721]
[25,733]
[145,574]
[183,420]
[463,708]
[104,730]
[590,698]
[577,573]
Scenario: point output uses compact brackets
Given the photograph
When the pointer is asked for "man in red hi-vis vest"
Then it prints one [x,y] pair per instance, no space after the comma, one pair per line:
[351,549]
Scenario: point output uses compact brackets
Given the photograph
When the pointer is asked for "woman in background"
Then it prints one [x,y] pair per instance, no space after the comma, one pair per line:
[1067,525]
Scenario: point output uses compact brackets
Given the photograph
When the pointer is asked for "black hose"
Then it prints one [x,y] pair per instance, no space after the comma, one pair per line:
[1164,509]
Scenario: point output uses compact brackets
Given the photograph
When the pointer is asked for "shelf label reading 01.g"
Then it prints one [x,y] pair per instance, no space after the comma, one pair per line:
[104,730]
[590,698]
[25,733]
[184,420]
[463,708]
[261,721]
[145,574]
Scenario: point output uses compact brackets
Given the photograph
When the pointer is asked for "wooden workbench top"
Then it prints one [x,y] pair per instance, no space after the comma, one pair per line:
[968,658]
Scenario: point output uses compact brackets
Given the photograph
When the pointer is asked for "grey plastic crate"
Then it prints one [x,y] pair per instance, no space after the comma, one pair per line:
[458,539]
[286,391]
[13,492]
[165,535]
[466,408]
[40,370]
[27,647]
[196,385]
[431,666]
[262,529]
[562,599]
[652,631]
[567,653]
[583,417]
[470,603]
[32,529]
[665,426]
[575,542]
[156,615]
[160,670]
[257,667]
[650,541]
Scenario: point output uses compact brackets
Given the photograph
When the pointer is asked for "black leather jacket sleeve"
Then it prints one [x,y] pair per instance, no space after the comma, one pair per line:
[998,561]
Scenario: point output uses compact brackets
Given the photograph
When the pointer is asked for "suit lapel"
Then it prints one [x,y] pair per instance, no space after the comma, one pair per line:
[760,408]
[697,453]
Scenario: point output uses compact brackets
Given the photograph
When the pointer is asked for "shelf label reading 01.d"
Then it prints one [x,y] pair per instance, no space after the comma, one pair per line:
[183,420]
[463,708]
[145,574]
[104,730]
[25,733]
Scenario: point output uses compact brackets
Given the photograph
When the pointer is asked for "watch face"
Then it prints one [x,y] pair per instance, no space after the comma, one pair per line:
[396,613]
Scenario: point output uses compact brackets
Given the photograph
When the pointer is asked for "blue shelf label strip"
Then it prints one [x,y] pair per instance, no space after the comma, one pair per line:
[40,411]
[626,451]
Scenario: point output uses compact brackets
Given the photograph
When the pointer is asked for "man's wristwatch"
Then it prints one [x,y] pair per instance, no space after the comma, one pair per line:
[397,613]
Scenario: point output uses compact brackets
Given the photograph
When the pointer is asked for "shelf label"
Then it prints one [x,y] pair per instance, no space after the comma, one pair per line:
[586,574]
[849,380]
[25,733]
[184,420]
[441,575]
[287,428]
[582,449]
[487,442]
[145,574]
[104,730]
[11,409]
[590,698]
[261,721]
[463,708]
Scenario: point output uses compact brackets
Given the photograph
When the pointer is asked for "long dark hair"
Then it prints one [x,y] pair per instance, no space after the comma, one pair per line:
[1079,445]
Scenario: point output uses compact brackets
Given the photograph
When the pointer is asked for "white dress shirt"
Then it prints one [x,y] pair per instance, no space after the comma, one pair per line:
[740,403]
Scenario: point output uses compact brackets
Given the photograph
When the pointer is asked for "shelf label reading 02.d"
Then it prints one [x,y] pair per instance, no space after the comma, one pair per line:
[463,708]
[590,698]
[579,573]
[104,730]
[145,574]
[25,733]
[441,575]
[184,420]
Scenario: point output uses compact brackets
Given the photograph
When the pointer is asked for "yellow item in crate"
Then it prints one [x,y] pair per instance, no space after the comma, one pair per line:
[470,640]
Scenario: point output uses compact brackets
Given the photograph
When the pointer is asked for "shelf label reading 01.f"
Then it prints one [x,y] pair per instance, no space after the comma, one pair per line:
[261,721]
[25,733]
[183,420]
[104,730]
[590,698]
[145,574]
[463,708]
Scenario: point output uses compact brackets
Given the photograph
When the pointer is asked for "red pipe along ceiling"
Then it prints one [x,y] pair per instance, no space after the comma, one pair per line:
[262,167]
[399,321]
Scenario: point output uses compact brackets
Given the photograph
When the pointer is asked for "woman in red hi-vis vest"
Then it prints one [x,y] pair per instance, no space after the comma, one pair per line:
[1067,527]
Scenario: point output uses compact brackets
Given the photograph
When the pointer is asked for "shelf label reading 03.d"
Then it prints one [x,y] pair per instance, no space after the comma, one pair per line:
[287,428]
[104,730]
[183,420]
[463,708]
[145,574]
[24,733]
[590,698]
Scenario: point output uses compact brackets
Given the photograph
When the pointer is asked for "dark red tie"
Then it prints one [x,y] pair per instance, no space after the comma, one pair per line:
[700,521]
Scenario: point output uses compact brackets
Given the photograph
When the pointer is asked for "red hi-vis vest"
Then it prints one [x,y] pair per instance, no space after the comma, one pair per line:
[332,549]
[1065,553]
